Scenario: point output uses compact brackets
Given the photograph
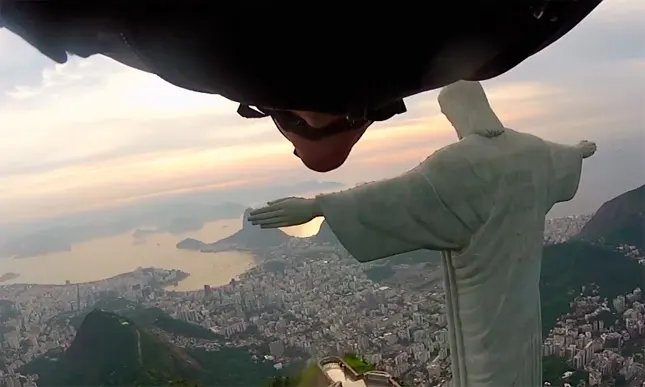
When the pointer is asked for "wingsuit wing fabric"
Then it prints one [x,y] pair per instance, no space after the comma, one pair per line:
[316,59]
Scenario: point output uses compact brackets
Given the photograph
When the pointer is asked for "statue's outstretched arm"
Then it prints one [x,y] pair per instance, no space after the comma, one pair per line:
[566,169]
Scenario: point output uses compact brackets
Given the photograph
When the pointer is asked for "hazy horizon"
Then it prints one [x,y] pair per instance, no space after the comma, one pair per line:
[108,256]
[93,135]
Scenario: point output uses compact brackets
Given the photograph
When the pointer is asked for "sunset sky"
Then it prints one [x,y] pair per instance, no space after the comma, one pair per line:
[93,133]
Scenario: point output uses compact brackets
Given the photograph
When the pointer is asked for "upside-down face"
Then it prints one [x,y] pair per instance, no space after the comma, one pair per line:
[328,140]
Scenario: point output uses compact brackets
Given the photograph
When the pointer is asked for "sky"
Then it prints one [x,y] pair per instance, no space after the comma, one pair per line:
[95,134]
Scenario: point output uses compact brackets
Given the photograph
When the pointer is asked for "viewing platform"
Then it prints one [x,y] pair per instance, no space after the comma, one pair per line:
[335,372]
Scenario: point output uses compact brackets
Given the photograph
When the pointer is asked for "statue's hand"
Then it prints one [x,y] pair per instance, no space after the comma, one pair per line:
[284,213]
[587,148]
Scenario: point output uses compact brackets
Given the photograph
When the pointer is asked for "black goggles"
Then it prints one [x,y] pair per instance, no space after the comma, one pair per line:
[290,122]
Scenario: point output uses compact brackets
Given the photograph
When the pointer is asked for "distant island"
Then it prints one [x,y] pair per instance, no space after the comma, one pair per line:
[8,277]
[249,238]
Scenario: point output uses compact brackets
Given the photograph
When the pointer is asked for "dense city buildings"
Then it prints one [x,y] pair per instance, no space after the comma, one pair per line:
[597,342]
[603,337]
[558,230]
[316,300]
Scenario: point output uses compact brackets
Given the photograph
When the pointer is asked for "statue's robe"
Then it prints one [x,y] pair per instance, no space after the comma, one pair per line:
[483,202]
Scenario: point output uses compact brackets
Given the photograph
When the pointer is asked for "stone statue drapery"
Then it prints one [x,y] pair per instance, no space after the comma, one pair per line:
[484,201]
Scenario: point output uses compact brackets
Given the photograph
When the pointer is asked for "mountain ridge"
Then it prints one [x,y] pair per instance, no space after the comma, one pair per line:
[110,349]
[248,238]
[568,266]
[619,221]
[145,317]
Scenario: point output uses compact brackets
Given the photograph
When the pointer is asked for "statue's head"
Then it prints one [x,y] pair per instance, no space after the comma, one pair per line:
[465,105]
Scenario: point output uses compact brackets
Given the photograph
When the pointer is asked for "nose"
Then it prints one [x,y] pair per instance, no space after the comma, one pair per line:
[316,120]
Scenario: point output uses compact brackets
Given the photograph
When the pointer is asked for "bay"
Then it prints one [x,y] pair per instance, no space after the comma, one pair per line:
[106,257]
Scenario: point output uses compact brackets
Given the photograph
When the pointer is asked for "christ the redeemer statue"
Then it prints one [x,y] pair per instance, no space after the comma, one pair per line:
[482,201]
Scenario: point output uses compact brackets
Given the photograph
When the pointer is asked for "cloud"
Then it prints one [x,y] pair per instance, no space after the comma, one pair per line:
[20,64]
[95,133]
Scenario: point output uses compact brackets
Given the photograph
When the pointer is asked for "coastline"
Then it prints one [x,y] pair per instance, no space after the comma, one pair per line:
[103,258]
[169,284]
[181,274]
[178,276]
[257,260]
[174,282]
[8,277]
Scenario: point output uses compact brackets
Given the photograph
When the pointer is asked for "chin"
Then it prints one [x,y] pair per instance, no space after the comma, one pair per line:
[325,165]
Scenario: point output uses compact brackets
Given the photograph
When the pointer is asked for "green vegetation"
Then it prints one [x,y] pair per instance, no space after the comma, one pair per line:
[620,380]
[7,310]
[566,267]
[285,381]
[307,377]
[296,375]
[274,266]
[148,317]
[357,363]
[232,367]
[633,348]
[554,367]
[162,320]
[620,221]
[5,304]
[111,350]
[183,383]
[380,273]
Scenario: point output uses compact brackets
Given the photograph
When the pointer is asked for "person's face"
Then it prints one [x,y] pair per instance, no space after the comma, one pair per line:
[328,152]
